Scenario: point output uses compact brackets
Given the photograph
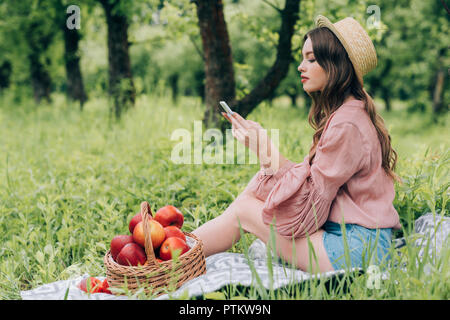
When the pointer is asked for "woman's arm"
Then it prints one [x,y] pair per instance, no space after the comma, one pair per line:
[255,137]
[301,198]
[274,163]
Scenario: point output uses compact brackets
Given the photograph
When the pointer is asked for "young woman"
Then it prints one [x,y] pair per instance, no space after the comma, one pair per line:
[347,179]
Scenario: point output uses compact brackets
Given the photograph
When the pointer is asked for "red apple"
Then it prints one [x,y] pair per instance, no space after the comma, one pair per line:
[157,234]
[172,245]
[138,234]
[173,231]
[105,287]
[94,284]
[169,216]
[118,242]
[135,220]
[131,254]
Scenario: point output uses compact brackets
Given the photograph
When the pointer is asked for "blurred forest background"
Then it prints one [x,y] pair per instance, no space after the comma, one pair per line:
[241,51]
[86,117]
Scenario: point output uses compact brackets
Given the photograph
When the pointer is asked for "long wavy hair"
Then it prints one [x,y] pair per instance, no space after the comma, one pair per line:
[342,81]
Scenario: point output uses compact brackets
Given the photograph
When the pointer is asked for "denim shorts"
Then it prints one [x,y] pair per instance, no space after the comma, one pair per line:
[363,248]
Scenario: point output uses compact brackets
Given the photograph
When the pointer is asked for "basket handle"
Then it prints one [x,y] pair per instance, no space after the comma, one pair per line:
[145,212]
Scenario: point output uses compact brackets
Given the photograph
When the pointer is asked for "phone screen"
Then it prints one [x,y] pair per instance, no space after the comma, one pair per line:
[226,108]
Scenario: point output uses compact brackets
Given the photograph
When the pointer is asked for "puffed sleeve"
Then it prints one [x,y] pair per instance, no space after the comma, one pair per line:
[261,184]
[300,199]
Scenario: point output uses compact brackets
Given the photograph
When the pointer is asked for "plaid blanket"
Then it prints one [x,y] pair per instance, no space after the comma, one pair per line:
[237,269]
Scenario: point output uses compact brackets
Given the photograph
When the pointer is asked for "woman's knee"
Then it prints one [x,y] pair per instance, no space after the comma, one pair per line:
[244,209]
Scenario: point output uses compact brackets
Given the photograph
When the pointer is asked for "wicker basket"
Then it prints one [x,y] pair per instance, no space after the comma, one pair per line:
[157,277]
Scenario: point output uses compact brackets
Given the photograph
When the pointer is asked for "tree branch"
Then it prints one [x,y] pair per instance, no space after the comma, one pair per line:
[267,85]
[273,6]
[197,48]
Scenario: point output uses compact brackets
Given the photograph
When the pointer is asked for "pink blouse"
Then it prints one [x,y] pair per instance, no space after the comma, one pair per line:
[345,181]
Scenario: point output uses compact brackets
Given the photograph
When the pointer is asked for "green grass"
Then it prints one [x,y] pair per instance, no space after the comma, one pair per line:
[70,181]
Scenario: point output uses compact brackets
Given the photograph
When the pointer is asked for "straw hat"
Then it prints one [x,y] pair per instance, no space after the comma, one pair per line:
[356,42]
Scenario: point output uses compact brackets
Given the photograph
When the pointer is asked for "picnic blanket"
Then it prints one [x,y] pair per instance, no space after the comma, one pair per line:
[227,268]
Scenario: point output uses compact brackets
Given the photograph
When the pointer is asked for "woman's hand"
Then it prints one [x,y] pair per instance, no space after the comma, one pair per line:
[254,137]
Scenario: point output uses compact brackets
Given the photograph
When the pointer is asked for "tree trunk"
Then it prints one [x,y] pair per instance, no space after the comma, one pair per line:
[438,104]
[39,75]
[220,82]
[385,94]
[121,87]
[386,90]
[378,83]
[40,78]
[439,84]
[74,80]
[75,87]
[219,72]
[266,87]
[199,84]
[173,82]
[307,101]
[293,97]
[5,74]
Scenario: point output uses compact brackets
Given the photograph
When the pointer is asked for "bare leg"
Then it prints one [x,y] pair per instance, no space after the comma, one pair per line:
[220,233]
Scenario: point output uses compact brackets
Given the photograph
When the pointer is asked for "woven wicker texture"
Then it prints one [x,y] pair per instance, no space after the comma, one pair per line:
[153,276]
[356,42]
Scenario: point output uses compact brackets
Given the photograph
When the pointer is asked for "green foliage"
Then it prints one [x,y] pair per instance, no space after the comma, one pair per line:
[415,34]
[71,181]
[166,48]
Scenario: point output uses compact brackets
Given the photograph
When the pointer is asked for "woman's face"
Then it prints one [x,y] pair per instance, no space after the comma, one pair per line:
[313,75]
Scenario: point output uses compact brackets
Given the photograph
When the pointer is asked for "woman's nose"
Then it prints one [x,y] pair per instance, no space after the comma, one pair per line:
[300,68]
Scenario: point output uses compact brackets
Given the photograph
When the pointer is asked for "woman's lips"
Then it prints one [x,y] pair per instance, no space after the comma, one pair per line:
[304,80]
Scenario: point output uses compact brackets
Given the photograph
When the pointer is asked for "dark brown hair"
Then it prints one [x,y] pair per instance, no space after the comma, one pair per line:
[342,81]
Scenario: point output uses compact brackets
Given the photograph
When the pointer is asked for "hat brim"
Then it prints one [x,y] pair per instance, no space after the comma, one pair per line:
[322,21]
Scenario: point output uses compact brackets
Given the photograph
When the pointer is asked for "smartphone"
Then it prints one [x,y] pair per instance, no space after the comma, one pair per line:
[226,108]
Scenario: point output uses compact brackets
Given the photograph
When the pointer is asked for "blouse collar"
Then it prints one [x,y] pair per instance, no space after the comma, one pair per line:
[354,102]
